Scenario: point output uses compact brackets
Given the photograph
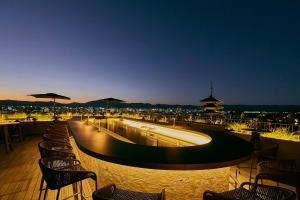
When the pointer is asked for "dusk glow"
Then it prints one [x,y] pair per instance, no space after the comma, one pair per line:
[148,99]
[151,51]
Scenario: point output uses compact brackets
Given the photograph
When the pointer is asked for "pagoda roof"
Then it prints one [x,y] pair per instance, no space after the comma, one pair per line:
[211,99]
[210,111]
[213,108]
[210,105]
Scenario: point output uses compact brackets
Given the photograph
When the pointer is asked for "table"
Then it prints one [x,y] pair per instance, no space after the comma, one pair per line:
[7,142]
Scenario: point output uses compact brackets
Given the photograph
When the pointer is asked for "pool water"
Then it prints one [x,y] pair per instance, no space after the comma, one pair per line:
[155,135]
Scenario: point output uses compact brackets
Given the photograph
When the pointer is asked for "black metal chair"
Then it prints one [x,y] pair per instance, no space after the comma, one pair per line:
[280,171]
[55,149]
[58,151]
[253,192]
[59,129]
[57,177]
[111,192]
[55,138]
[266,150]
[58,163]
[58,132]
[60,143]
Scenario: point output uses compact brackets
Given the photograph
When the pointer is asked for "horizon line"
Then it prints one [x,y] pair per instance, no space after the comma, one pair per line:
[240,104]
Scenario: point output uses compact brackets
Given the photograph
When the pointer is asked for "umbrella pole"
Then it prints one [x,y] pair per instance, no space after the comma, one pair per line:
[54,108]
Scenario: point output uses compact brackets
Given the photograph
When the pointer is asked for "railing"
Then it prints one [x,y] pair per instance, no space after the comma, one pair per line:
[268,127]
[264,126]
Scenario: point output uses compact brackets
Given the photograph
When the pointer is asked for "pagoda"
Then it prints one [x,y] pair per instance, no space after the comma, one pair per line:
[211,105]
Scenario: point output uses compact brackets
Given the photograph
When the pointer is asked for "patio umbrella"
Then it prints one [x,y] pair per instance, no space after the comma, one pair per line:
[50,96]
[111,100]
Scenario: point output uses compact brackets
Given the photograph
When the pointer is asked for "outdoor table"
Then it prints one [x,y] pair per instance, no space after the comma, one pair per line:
[6,137]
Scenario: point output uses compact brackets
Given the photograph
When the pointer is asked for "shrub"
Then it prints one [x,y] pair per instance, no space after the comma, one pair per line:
[280,133]
[201,120]
[237,126]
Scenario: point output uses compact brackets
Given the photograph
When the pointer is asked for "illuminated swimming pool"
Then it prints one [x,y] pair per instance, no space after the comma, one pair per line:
[155,135]
[185,172]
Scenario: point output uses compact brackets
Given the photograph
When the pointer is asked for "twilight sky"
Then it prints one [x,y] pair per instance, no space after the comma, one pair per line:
[151,51]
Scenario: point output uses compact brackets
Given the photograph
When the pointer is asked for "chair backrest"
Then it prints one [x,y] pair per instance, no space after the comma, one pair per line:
[270,192]
[55,138]
[283,171]
[49,149]
[60,172]
[51,176]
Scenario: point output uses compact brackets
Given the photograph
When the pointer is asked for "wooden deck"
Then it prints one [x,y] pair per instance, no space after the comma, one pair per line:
[20,174]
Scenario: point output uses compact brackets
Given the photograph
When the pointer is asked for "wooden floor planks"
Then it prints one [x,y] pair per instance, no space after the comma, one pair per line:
[20,175]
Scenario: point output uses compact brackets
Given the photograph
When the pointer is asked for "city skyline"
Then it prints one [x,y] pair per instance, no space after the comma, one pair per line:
[151,52]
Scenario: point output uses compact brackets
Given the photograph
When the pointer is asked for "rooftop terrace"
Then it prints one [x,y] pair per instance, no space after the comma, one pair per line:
[20,173]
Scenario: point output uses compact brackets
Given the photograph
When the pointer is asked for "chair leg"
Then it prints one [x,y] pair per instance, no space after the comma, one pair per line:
[75,190]
[257,177]
[81,193]
[57,196]
[298,191]
[251,169]
[96,187]
[45,195]
[42,183]
[41,187]
[237,173]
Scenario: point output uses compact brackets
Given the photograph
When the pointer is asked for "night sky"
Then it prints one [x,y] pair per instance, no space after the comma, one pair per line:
[151,51]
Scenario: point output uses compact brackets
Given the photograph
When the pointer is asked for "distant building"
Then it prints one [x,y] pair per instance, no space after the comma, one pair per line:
[211,105]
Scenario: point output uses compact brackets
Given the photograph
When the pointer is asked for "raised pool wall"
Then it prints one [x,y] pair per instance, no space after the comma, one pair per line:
[179,185]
